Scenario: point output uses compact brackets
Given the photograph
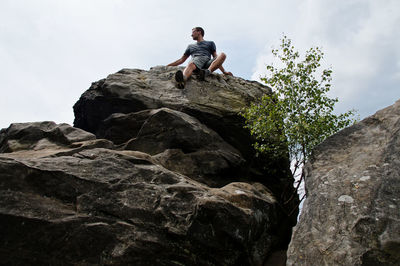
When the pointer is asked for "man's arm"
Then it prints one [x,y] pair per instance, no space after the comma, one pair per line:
[179,61]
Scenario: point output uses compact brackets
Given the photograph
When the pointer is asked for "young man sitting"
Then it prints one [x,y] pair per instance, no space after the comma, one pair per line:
[201,61]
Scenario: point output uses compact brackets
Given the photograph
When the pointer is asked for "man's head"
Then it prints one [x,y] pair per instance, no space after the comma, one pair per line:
[196,32]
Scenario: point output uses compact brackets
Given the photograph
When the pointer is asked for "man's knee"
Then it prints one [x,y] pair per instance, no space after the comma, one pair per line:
[191,66]
[221,57]
[187,72]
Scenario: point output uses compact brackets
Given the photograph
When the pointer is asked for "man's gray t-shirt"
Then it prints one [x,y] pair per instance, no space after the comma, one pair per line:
[203,48]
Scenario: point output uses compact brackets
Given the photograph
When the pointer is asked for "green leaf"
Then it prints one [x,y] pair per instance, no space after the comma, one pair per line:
[298,115]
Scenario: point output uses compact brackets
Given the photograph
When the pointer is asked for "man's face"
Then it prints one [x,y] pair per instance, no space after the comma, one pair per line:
[195,34]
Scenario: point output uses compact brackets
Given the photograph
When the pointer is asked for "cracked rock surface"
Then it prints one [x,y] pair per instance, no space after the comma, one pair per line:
[149,175]
[351,215]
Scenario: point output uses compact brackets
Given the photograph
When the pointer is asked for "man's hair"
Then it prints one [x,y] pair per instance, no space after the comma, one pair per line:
[200,29]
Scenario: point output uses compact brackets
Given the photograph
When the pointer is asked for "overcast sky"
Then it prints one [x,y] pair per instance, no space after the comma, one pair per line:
[52,50]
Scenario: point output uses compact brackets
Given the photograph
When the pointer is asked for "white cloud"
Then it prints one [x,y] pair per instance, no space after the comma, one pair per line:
[360,40]
[51,50]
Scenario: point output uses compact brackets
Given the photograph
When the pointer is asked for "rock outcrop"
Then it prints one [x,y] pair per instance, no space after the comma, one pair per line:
[194,124]
[149,175]
[351,215]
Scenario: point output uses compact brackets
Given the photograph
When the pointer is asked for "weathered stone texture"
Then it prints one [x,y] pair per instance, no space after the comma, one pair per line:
[351,215]
[165,177]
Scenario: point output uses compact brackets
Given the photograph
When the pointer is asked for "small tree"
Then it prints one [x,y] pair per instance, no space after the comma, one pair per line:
[298,115]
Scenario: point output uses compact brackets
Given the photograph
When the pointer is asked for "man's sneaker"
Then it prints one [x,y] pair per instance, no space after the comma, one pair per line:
[204,73]
[179,79]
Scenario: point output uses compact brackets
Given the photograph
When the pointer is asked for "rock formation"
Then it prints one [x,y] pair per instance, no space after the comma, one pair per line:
[149,175]
[351,215]
[126,109]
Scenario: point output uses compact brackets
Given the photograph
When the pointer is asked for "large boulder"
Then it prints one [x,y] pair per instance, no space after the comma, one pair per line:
[179,142]
[218,98]
[351,215]
[38,135]
[199,126]
[87,203]
[215,102]
[150,175]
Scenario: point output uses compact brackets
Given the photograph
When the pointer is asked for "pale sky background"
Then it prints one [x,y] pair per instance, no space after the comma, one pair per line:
[52,50]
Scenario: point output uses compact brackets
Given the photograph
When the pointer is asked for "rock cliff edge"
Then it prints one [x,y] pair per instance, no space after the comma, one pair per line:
[148,175]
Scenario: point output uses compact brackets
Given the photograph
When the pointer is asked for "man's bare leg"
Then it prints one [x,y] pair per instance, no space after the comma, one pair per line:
[188,71]
[182,77]
[217,63]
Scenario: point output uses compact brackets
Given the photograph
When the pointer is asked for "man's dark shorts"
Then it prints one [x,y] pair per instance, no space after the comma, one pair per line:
[202,62]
